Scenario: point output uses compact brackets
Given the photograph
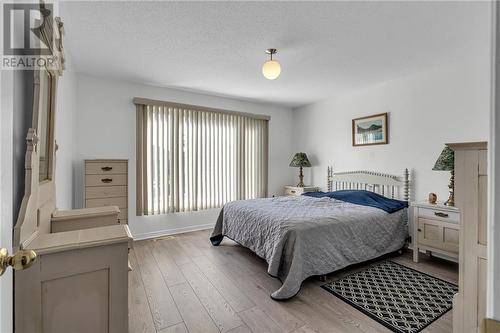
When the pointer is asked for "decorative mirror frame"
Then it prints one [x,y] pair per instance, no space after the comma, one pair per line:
[40,98]
[39,199]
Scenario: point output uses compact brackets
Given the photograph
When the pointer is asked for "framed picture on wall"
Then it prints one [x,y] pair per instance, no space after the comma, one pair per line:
[370,130]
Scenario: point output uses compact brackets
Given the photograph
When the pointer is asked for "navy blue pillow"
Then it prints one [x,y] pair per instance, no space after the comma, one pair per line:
[364,198]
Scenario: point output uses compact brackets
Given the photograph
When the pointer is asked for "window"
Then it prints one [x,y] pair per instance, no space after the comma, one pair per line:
[193,158]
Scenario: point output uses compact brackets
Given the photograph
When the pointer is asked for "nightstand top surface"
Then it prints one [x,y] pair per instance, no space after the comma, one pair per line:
[305,186]
[438,205]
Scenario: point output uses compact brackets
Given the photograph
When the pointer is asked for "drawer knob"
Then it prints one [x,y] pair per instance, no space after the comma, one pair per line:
[419,230]
[441,214]
[107,168]
[106,180]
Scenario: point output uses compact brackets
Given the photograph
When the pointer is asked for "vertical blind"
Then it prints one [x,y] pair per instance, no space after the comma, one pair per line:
[193,158]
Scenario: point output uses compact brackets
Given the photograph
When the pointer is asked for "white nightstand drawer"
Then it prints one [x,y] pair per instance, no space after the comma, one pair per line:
[295,190]
[439,214]
[292,191]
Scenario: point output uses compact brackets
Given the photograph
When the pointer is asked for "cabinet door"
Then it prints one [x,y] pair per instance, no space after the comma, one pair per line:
[438,234]
[83,290]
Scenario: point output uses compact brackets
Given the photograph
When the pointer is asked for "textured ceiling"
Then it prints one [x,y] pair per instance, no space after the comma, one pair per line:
[325,48]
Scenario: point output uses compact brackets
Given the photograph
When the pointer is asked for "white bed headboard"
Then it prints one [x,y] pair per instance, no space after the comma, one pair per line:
[394,187]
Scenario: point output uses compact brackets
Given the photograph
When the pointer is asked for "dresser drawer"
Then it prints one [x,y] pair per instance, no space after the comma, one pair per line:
[94,192]
[103,167]
[105,180]
[437,234]
[121,202]
[429,213]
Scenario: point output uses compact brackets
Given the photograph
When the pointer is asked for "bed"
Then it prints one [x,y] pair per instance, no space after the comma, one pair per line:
[307,236]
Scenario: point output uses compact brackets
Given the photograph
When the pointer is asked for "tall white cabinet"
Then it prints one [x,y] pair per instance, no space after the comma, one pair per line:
[471,197]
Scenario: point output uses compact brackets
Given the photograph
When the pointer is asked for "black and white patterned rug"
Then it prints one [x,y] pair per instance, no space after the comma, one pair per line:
[400,298]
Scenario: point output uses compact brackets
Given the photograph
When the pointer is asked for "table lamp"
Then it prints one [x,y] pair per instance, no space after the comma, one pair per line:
[300,161]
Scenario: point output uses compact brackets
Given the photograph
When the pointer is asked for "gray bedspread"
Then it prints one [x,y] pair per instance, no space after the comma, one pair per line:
[303,236]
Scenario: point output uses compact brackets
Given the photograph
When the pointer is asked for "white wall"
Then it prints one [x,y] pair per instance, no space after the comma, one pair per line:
[65,129]
[427,110]
[106,129]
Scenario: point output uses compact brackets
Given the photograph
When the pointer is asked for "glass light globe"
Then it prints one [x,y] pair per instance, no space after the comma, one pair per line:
[271,69]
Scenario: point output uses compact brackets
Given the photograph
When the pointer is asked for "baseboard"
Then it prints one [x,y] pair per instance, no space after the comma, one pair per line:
[168,232]
[490,326]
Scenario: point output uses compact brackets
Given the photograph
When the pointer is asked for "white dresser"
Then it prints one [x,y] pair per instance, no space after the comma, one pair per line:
[295,190]
[471,196]
[435,229]
[106,184]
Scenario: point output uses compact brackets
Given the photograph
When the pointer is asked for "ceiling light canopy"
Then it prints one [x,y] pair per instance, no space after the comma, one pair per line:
[271,68]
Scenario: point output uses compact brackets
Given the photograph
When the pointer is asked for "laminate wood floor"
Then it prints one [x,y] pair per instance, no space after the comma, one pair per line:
[184,284]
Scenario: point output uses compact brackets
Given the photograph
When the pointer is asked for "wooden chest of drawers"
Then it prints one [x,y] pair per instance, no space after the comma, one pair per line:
[106,184]
[435,229]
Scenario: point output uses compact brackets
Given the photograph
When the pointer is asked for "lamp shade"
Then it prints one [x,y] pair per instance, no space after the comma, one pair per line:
[300,160]
[445,161]
[271,69]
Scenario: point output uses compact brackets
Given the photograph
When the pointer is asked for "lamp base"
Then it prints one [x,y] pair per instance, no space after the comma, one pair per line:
[450,202]
[301,178]
[451,199]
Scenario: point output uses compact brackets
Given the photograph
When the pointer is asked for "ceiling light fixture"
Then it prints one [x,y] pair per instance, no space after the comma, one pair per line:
[271,68]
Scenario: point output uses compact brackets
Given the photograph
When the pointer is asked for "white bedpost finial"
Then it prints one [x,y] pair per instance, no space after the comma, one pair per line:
[407,185]
[331,178]
[328,178]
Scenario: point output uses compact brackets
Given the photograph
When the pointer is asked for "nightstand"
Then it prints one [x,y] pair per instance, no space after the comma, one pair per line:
[436,228]
[295,190]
